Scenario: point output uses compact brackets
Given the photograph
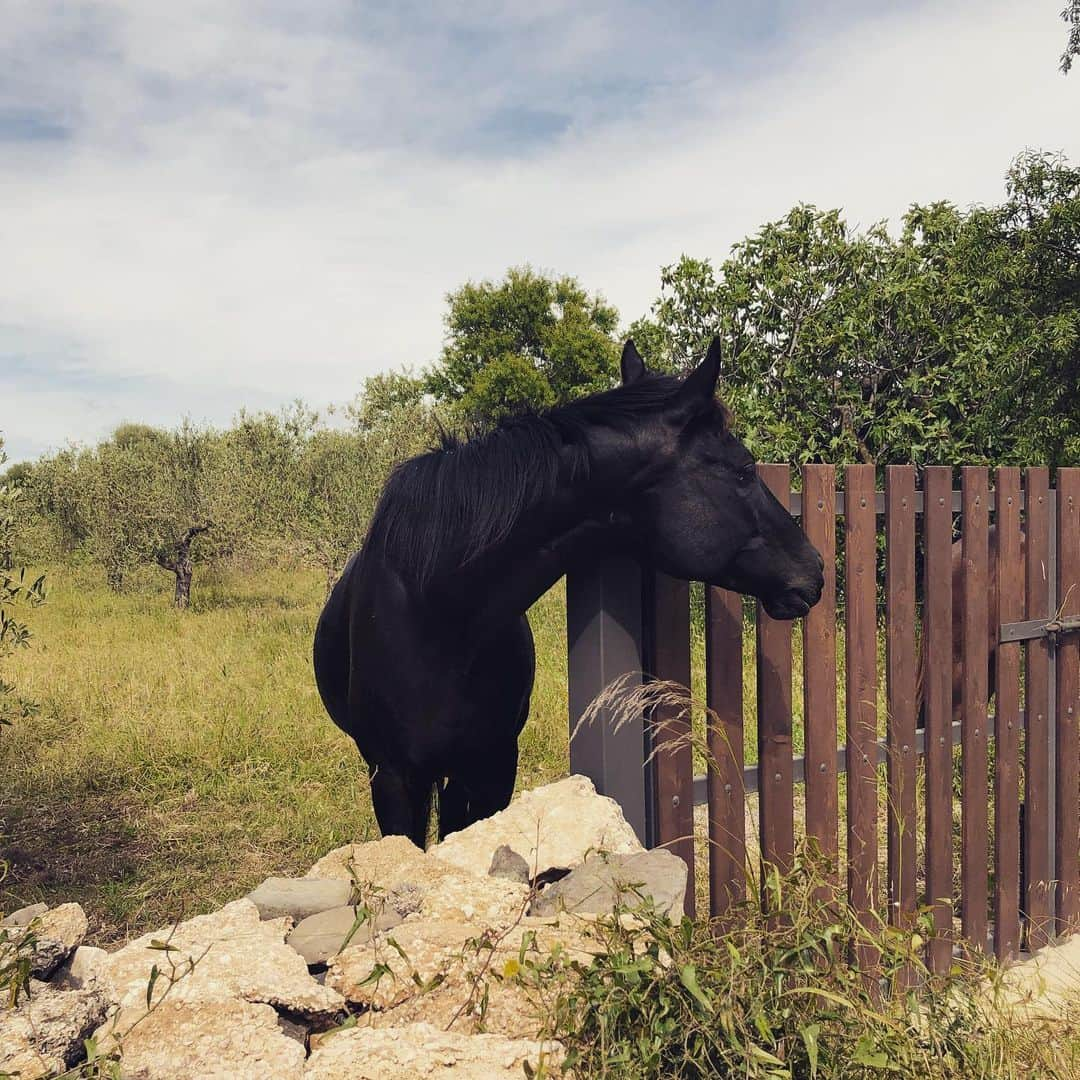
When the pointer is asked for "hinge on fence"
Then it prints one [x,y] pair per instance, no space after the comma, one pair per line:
[1051,629]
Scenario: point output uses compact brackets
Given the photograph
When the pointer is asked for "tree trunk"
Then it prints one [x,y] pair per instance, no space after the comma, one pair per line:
[182,596]
[179,563]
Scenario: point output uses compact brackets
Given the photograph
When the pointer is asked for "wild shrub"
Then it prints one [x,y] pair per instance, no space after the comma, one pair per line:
[774,990]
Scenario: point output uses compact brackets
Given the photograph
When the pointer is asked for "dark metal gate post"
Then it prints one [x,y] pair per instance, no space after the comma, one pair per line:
[604,639]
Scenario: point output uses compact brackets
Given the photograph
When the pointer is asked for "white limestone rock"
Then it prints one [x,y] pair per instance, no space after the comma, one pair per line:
[81,969]
[44,1035]
[212,1040]
[419,1051]
[56,933]
[556,825]
[439,970]
[433,887]
[229,954]
[1046,984]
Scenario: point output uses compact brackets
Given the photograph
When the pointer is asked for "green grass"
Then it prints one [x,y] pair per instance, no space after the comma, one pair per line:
[178,758]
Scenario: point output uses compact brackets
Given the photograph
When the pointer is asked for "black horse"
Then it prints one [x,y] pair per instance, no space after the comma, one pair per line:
[423,653]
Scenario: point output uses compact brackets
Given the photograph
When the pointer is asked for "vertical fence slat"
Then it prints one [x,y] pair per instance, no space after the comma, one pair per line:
[819,665]
[974,824]
[860,561]
[900,687]
[1010,584]
[726,794]
[775,768]
[1037,839]
[673,767]
[1067,831]
[938,638]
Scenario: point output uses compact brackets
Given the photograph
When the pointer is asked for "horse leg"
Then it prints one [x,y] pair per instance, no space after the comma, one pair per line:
[453,807]
[473,795]
[402,802]
[480,781]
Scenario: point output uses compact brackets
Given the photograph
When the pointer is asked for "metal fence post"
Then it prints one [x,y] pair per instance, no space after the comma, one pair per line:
[604,641]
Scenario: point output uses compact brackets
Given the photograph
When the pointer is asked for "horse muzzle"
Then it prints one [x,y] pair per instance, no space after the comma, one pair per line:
[794,602]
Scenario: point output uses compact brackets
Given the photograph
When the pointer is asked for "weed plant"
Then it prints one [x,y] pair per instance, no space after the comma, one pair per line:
[774,991]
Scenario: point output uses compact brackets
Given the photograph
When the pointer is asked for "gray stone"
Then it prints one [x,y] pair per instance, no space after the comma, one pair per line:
[299,897]
[81,968]
[297,1030]
[24,915]
[506,863]
[44,1035]
[604,882]
[321,936]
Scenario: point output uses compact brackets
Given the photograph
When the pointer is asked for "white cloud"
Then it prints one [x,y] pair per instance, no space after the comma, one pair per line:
[254,212]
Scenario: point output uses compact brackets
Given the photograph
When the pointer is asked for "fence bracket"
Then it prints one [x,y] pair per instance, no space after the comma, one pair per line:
[1034,629]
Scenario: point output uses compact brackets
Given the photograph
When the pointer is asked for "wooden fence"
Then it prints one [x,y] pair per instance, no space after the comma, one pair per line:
[1019,882]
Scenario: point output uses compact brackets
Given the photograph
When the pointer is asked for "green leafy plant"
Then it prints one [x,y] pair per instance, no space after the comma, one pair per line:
[774,991]
[19,591]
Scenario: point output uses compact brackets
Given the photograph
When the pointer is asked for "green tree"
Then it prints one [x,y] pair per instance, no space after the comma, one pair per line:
[955,341]
[148,497]
[528,340]
[18,592]
[1022,259]
[58,511]
[254,483]
[343,470]
[1071,15]
[383,397]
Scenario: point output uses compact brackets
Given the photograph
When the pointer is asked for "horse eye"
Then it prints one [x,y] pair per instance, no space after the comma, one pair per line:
[747,474]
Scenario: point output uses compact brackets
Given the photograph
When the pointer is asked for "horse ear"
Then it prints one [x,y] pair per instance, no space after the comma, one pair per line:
[633,367]
[701,382]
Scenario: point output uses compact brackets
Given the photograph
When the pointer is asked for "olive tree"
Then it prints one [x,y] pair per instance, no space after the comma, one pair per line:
[148,498]
[1071,15]
[343,470]
[18,592]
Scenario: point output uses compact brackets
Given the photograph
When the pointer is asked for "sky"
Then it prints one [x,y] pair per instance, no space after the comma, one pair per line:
[232,204]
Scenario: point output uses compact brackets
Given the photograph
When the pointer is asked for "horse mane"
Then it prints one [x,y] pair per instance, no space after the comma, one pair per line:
[442,509]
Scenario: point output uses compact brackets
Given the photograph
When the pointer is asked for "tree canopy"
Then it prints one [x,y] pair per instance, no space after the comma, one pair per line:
[957,340]
[529,340]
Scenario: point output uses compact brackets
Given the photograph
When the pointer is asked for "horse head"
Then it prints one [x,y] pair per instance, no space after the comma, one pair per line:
[696,506]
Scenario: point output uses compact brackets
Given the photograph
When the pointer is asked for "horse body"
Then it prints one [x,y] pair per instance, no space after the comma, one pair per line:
[423,653]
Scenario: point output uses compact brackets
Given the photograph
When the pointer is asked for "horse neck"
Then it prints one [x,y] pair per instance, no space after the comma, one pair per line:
[551,532]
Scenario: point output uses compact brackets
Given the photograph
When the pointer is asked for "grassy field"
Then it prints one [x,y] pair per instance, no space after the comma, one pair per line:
[178,758]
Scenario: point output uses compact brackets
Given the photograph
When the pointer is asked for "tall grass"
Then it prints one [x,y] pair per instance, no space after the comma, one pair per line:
[178,758]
